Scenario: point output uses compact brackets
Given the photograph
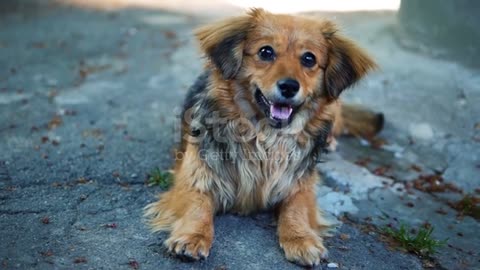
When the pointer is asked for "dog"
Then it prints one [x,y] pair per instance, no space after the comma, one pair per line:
[253,126]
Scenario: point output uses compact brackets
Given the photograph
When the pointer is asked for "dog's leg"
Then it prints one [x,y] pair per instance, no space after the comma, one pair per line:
[300,225]
[188,215]
[187,209]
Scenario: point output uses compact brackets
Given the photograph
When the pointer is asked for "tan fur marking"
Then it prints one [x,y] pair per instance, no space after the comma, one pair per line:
[300,225]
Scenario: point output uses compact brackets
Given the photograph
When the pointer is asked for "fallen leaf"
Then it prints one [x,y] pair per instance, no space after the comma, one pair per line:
[382,170]
[427,225]
[416,168]
[82,180]
[377,143]
[468,205]
[80,260]
[85,71]
[363,161]
[47,253]
[54,122]
[45,220]
[133,264]
[434,183]
[170,34]
[110,225]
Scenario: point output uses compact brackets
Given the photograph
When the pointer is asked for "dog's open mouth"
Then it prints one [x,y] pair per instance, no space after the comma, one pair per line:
[279,114]
[280,111]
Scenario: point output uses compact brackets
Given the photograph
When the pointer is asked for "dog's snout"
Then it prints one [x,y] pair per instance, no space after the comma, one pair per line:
[288,87]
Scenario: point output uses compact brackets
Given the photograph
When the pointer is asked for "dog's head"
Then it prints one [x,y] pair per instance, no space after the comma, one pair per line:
[285,62]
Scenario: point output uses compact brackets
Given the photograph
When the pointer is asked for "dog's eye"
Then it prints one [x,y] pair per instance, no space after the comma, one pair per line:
[266,53]
[308,59]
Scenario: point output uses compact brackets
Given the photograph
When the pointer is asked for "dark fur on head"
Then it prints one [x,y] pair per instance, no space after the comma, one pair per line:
[347,63]
[223,44]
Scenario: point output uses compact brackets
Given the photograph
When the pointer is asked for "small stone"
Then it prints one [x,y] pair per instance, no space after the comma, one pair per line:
[332,265]
[364,142]
[422,131]
[51,82]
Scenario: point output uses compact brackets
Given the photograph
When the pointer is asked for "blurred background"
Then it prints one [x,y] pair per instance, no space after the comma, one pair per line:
[90,93]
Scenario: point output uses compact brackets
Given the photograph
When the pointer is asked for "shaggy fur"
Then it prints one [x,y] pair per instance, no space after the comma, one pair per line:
[232,159]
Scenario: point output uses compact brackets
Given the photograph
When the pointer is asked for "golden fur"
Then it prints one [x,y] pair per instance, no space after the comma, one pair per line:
[238,162]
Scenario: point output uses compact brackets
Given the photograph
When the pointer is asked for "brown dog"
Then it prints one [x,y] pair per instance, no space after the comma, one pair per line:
[253,126]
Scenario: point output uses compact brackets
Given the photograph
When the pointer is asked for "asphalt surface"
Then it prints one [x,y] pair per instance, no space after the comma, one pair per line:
[88,108]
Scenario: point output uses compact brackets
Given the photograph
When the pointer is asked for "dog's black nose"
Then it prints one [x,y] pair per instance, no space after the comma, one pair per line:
[288,87]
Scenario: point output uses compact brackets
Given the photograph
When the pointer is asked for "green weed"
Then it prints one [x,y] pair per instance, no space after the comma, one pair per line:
[163,179]
[420,243]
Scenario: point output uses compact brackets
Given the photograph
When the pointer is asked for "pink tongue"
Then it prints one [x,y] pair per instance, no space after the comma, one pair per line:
[280,112]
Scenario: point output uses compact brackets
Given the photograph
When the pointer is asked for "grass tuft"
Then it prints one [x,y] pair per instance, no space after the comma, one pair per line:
[420,243]
[163,179]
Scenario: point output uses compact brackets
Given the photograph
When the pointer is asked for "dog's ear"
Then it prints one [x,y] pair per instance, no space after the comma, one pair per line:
[223,42]
[347,63]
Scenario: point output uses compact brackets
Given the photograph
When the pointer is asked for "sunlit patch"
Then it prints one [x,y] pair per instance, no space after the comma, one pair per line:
[203,7]
[319,5]
[164,19]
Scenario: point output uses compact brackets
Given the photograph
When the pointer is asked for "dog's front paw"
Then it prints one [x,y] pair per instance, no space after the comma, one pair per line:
[189,246]
[306,251]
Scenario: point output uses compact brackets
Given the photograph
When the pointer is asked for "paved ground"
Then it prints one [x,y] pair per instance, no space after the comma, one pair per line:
[87,109]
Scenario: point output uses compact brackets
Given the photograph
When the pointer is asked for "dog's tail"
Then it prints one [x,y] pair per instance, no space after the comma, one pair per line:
[357,121]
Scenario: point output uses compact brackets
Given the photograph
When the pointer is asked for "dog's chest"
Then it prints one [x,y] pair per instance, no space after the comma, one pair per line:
[259,173]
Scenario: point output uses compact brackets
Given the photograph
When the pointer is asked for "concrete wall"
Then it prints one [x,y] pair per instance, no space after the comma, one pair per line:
[452,26]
